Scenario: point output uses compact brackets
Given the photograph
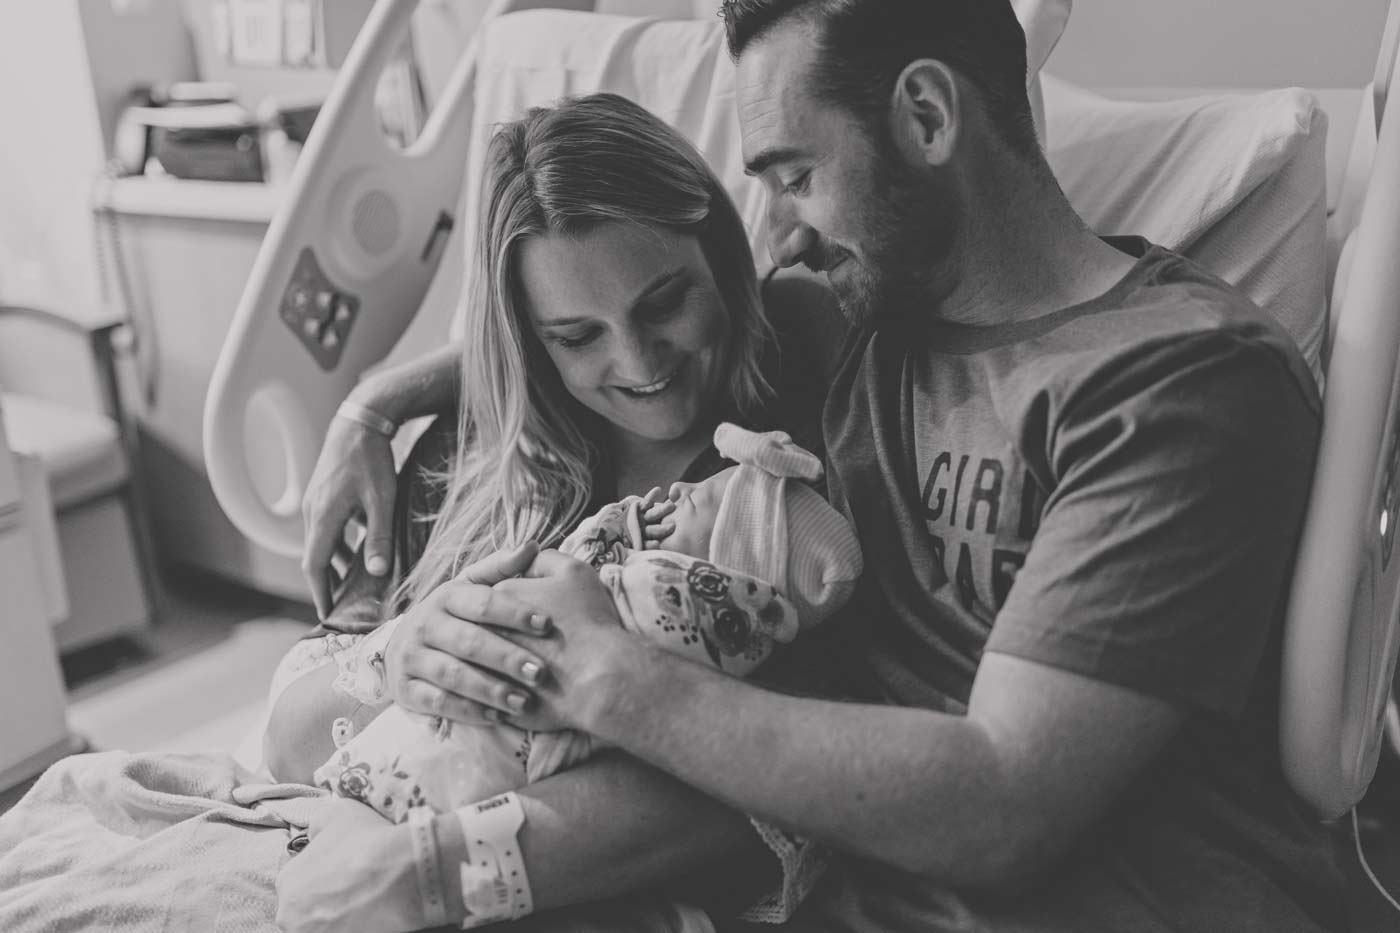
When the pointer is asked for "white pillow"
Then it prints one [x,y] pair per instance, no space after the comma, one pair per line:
[1236,182]
[1043,22]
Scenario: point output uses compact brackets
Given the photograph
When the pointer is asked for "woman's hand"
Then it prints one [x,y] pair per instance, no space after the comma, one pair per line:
[587,647]
[441,662]
[356,874]
[354,474]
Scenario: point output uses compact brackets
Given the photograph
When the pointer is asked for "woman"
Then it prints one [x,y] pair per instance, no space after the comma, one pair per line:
[615,320]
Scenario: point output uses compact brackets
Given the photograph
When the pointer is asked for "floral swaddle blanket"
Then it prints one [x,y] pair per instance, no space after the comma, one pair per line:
[712,615]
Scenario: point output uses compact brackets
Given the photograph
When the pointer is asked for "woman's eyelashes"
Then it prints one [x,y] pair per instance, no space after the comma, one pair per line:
[657,310]
[666,305]
[574,341]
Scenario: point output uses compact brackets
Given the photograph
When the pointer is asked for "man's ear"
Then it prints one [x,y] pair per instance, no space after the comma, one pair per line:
[926,112]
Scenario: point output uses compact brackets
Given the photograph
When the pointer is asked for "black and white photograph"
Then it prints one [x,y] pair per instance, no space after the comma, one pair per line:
[699,466]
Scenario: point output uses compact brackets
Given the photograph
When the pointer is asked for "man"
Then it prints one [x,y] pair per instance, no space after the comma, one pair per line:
[1078,470]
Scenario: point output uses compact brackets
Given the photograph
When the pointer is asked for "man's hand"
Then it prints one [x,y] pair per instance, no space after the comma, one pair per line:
[357,874]
[577,647]
[586,639]
[442,661]
[354,474]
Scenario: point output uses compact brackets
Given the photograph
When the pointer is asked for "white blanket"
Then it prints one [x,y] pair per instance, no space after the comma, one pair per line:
[138,842]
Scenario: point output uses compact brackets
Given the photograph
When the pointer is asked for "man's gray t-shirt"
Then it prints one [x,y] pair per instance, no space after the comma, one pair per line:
[1115,489]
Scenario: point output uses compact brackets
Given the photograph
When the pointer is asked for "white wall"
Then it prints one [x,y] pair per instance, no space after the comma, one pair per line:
[254,83]
[442,28]
[1154,43]
[1221,43]
[146,42]
[57,108]
[52,150]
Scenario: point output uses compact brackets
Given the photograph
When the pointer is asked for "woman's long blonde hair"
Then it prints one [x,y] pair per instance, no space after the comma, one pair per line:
[527,451]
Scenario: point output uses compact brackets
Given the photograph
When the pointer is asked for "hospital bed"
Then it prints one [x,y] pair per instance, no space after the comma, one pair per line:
[1235,181]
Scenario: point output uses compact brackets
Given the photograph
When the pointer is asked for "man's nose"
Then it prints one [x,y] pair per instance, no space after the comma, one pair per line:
[789,238]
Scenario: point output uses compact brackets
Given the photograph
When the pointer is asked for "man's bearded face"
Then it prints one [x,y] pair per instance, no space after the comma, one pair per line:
[841,198]
[896,245]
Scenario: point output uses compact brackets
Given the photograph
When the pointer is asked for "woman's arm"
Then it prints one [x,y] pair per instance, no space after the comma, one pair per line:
[298,737]
[611,826]
[304,702]
[355,470]
[429,666]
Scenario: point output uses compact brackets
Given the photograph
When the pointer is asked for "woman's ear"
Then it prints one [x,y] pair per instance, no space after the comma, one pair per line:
[925,113]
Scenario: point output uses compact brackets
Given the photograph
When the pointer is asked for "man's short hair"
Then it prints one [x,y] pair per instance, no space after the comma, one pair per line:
[863,45]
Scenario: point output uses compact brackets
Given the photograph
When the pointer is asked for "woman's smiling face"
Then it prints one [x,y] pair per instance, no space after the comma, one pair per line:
[633,320]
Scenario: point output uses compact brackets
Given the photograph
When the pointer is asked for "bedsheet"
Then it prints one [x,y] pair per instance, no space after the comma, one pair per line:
[174,842]
[148,842]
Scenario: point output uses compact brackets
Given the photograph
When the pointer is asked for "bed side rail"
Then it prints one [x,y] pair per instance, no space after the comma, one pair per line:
[342,271]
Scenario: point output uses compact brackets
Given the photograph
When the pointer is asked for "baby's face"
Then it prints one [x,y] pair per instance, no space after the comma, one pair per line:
[697,506]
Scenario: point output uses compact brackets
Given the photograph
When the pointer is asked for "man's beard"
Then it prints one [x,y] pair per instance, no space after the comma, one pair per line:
[909,226]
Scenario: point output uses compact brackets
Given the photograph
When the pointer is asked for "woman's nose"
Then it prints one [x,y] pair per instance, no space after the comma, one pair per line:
[638,356]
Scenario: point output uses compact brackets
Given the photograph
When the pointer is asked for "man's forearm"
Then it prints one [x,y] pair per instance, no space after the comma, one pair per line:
[914,788]
[610,827]
[428,385]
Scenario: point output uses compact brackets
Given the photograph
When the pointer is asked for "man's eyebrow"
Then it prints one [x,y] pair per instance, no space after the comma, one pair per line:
[655,285]
[768,157]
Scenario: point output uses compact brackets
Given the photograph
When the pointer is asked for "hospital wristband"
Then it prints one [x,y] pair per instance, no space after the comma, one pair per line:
[354,411]
[494,884]
[427,865]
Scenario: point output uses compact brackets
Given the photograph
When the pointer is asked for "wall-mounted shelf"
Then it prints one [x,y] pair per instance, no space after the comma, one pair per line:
[164,196]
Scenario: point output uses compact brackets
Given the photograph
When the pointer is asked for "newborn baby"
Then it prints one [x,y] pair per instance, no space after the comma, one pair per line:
[756,557]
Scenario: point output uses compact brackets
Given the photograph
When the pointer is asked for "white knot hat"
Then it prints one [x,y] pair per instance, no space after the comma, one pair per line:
[767,506]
